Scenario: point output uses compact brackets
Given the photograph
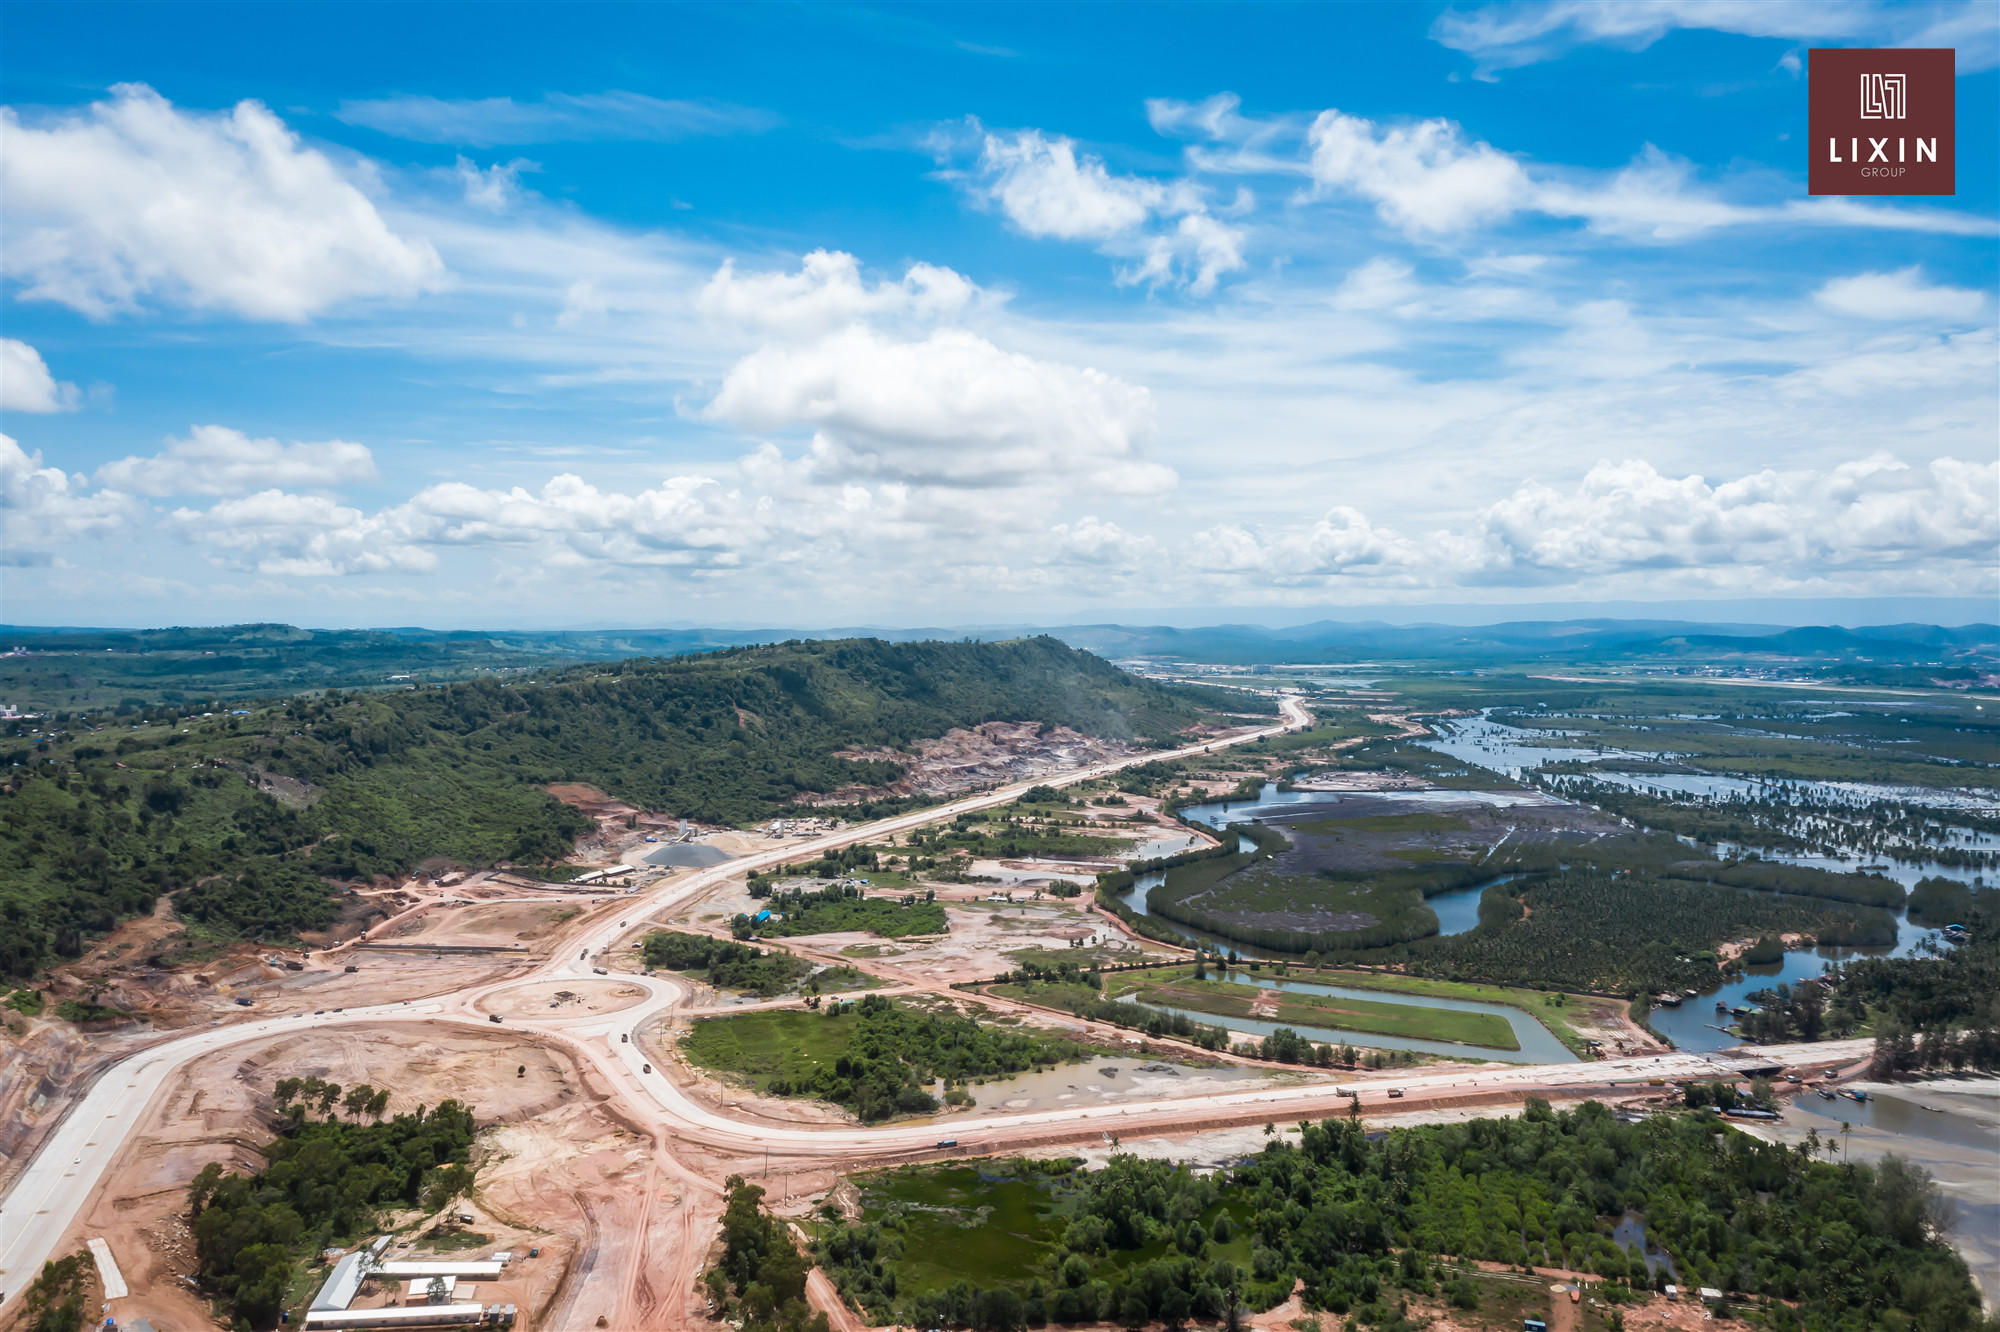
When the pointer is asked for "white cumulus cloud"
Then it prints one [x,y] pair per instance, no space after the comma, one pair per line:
[303,536]
[1902,294]
[1050,189]
[39,505]
[1628,521]
[686,520]
[26,384]
[1431,179]
[1874,513]
[950,409]
[1218,119]
[216,460]
[1047,189]
[495,188]
[691,524]
[828,291]
[1342,542]
[1198,242]
[1091,540]
[132,200]
[1426,177]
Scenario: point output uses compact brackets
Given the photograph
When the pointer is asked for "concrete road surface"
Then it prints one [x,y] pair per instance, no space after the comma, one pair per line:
[47,1197]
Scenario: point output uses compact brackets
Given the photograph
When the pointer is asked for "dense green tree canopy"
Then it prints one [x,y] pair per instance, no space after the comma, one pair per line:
[115,810]
[1839,1247]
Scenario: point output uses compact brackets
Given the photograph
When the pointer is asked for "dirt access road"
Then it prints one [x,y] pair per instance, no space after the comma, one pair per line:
[691,1145]
[41,1206]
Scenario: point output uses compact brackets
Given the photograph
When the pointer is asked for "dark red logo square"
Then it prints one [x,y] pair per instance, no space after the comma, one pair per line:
[1882,121]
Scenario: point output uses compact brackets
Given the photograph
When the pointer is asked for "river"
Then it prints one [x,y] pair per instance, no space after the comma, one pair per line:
[1949,1126]
[1538,1044]
[1513,751]
[1695,1025]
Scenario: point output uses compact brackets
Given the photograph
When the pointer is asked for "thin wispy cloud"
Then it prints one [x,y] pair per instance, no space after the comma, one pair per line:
[1408,342]
[1509,36]
[1430,177]
[491,122]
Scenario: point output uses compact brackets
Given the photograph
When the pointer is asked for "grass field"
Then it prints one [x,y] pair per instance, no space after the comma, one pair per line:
[1178,989]
[876,1057]
[841,980]
[1329,887]
[1551,1009]
[888,880]
[879,916]
[759,1047]
[1084,958]
[1049,994]
[1391,823]
[993,1226]
[1241,900]
[960,1223]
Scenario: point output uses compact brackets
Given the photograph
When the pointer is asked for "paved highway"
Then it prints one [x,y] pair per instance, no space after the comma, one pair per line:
[46,1197]
[51,1192]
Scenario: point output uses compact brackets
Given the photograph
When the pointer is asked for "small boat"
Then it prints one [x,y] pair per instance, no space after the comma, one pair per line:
[1824,1094]
[1721,1007]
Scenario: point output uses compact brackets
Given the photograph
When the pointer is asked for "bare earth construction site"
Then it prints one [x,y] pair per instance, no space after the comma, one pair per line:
[608,1136]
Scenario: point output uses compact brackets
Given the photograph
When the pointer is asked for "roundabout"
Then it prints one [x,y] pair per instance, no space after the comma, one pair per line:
[562,999]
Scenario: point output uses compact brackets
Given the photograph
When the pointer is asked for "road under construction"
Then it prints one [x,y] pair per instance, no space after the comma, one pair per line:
[657,1284]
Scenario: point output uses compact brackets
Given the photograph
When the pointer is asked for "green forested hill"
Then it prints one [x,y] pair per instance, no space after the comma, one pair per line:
[108,811]
[98,668]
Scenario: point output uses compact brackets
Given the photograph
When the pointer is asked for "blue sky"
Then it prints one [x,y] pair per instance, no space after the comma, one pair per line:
[784,314]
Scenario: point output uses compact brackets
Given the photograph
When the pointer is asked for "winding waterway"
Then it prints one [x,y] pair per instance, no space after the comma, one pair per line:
[1513,751]
[1538,1044]
[1695,1025]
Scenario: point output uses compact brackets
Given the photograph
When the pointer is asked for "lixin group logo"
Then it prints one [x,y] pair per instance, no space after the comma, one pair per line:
[1896,137]
[1884,96]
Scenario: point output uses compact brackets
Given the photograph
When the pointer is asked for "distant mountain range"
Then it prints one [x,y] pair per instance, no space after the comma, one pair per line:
[55,667]
[1566,640]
